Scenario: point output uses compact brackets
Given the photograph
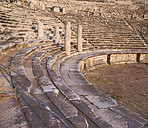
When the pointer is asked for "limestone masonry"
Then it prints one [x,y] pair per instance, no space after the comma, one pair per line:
[46,45]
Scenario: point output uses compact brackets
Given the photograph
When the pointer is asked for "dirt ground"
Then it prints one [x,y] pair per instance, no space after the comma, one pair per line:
[126,83]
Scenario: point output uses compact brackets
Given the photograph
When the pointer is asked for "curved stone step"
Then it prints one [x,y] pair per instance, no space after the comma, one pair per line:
[5,104]
[17,62]
[60,84]
[40,77]
[96,97]
[66,109]
[115,115]
[19,71]
[79,104]
[37,113]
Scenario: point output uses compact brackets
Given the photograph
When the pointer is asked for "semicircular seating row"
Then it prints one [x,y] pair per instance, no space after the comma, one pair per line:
[95,105]
[76,107]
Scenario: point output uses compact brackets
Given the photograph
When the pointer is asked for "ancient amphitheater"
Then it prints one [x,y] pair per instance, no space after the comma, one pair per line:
[45,46]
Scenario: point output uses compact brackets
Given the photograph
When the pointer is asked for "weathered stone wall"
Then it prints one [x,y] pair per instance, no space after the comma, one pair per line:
[98,60]
[144,58]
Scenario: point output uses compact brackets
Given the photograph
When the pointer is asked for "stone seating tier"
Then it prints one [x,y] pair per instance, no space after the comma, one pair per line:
[53,91]
[94,27]
[36,66]
[70,72]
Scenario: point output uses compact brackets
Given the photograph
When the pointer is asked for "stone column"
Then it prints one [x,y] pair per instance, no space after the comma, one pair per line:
[40,29]
[42,6]
[67,38]
[56,33]
[63,10]
[79,37]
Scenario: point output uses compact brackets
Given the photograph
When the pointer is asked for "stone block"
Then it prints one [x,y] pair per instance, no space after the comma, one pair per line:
[50,88]
[122,58]
[99,60]
[67,109]
[100,122]
[89,62]
[144,58]
[38,114]
[126,113]
[58,81]
[101,100]
[79,122]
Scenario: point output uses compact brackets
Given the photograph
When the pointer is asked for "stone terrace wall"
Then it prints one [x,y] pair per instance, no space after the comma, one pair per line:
[94,61]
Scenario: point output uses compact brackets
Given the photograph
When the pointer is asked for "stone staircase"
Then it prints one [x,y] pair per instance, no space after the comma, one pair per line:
[52,91]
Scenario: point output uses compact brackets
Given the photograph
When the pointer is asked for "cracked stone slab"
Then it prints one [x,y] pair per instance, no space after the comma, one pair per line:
[116,120]
[24,84]
[15,63]
[40,76]
[98,120]
[102,101]
[43,80]
[39,115]
[60,84]
[50,88]
[67,109]
[65,74]
[19,69]
[38,91]
[76,77]
[125,112]
[70,82]
[94,96]
[79,122]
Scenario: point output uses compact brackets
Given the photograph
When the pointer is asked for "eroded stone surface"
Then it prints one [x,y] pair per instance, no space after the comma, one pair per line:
[58,81]
[37,118]
[98,120]
[79,122]
[114,116]
[125,112]
[67,109]
[101,101]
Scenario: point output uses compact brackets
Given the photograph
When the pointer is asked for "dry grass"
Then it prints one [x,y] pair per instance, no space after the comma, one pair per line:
[2,95]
